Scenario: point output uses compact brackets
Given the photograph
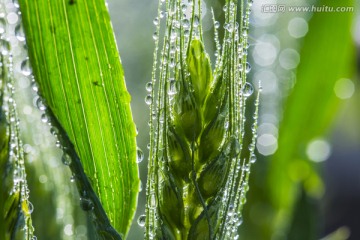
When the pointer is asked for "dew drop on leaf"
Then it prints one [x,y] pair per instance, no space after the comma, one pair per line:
[86,204]
[141,220]
[40,105]
[66,159]
[34,86]
[44,118]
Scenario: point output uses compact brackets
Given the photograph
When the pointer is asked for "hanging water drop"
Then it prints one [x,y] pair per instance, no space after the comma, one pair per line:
[34,86]
[4,47]
[216,24]
[155,36]
[172,63]
[44,118]
[16,3]
[225,8]
[247,67]
[86,204]
[196,21]
[19,33]
[141,220]
[54,131]
[40,105]
[72,178]
[139,155]
[148,99]
[149,86]
[247,90]
[2,25]
[156,21]
[66,159]
[25,67]
[186,23]
[30,207]
[252,158]
[172,87]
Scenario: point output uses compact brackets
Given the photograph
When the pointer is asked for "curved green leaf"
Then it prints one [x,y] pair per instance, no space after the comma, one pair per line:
[76,63]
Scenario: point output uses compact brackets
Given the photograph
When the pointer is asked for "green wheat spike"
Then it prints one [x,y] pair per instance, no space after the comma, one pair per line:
[197,180]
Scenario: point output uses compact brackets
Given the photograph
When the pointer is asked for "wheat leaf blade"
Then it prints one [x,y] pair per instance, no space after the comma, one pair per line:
[77,66]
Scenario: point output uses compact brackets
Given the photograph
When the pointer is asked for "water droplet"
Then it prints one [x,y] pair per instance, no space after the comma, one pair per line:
[141,220]
[44,118]
[140,187]
[30,207]
[86,204]
[40,105]
[156,21]
[247,68]
[2,25]
[172,63]
[186,23]
[230,210]
[184,7]
[225,8]
[216,24]
[196,21]
[139,155]
[66,159]
[186,33]
[72,178]
[149,86]
[172,87]
[16,3]
[25,67]
[4,47]
[148,99]
[19,33]
[34,86]
[163,14]
[155,36]
[252,158]
[54,131]
[247,89]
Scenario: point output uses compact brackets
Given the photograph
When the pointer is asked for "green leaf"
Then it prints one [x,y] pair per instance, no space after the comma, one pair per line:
[327,56]
[76,63]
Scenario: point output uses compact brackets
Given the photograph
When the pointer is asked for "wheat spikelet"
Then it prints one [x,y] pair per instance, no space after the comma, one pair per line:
[197,179]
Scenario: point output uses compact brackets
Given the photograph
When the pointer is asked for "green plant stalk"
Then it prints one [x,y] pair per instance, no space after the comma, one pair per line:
[76,63]
[16,208]
[197,126]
